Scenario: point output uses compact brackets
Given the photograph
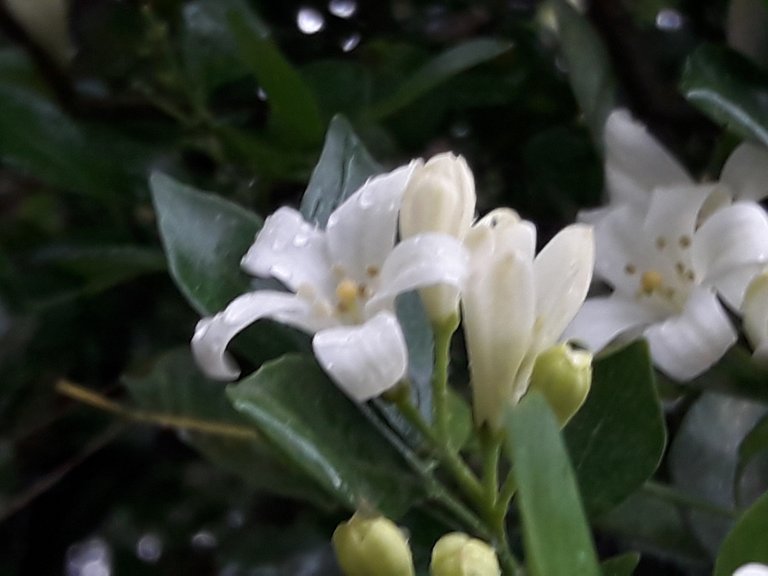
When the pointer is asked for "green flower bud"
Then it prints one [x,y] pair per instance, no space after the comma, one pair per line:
[457,554]
[372,546]
[563,375]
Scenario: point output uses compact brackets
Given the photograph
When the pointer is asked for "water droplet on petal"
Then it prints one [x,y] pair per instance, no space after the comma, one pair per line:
[342,8]
[280,272]
[365,200]
[310,21]
[300,240]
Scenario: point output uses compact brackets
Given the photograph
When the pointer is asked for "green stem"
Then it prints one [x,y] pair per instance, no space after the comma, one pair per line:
[443,332]
[491,451]
[674,496]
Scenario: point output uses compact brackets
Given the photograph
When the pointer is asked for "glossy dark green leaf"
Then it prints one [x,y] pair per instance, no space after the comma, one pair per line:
[302,413]
[439,70]
[754,443]
[729,89]
[623,565]
[204,237]
[343,167]
[176,388]
[294,114]
[589,67]
[557,538]
[617,438]
[704,458]
[747,542]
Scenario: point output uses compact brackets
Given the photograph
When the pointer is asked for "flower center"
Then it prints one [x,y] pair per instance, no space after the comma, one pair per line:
[651,281]
[347,292]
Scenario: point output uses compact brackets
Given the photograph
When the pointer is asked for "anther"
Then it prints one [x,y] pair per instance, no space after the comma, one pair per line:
[630,269]
[684,241]
[661,242]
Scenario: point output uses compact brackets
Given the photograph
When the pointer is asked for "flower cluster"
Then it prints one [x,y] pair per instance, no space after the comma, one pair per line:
[342,282]
[672,249]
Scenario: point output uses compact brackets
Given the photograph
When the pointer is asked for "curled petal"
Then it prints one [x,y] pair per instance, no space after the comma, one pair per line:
[755,311]
[600,320]
[732,285]
[420,261]
[563,270]
[746,172]
[213,334]
[635,161]
[361,232]
[363,360]
[685,345]
[291,250]
[732,237]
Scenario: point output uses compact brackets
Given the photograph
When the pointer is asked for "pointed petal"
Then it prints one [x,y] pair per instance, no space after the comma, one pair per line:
[213,334]
[732,237]
[686,345]
[746,172]
[420,261]
[636,162]
[755,313]
[291,250]
[563,270]
[498,312]
[600,320]
[361,232]
[364,360]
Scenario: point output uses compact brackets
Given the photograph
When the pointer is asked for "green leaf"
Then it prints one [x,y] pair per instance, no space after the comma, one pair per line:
[703,459]
[295,116]
[589,67]
[729,89]
[621,411]
[343,167]
[103,267]
[747,542]
[437,71]
[753,444]
[623,565]
[304,415]
[205,237]
[175,388]
[556,534]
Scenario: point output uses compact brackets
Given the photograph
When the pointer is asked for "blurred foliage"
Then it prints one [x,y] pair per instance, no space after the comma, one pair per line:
[232,96]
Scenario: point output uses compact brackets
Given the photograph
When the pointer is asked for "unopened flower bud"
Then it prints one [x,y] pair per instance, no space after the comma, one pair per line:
[372,546]
[457,554]
[440,197]
[563,375]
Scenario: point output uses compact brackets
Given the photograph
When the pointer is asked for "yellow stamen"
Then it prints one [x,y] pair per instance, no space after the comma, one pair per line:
[650,281]
[346,293]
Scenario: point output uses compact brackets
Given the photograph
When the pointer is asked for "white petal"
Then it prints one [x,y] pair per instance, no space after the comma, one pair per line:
[746,172]
[755,311]
[752,569]
[686,345]
[364,360]
[291,250]
[732,237]
[600,320]
[420,261]
[502,230]
[498,311]
[635,161]
[620,241]
[563,270]
[361,232]
[732,285]
[213,334]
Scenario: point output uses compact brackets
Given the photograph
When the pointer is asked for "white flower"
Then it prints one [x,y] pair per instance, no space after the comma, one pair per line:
[440,197]
[516,306]
[752,569]
[669,247]
[755,314]
[343,282]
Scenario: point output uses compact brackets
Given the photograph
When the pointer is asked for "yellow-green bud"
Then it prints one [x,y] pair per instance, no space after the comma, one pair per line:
[372,546]
[563,375]
[457,554]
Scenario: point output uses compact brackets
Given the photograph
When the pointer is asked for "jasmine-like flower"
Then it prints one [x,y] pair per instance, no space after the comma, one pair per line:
[669,248]
[343,282]
[439,198]
[515,306]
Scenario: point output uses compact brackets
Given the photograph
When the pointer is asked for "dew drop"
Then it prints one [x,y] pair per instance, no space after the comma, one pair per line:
[350,42]
[669,20]
[364,200]
[300,240]
[309,20]
[280,272]
[149,548]
[342,8]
